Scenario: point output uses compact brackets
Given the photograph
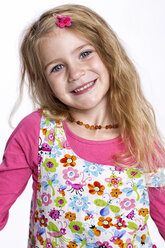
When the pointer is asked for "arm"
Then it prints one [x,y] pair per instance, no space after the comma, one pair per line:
[19,162]
[157,208]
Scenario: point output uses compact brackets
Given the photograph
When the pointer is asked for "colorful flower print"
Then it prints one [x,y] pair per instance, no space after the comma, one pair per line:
[46,199]
[38,186]
[129,244]
[134,188]
[105,222]
[43,221]
[120,223]
[79,203]
[39,158]
[50,136]
[133,173]
[93,169]
[143,211]
[50,182]
[144,199]
[44,130]
[50,164]
[131,215]
[68,160]
[70,216]
[70,174]
[36,216]
[60,201]
[83,241]
[114,181]
[55,152]
[47,243]
[65,144]
[96,188]
[54,214]
[127,204]
[72,244]
[76,227]
[115,193]
[104,244]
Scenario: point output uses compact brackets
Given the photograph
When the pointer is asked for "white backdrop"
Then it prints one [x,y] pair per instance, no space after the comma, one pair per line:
[140,25]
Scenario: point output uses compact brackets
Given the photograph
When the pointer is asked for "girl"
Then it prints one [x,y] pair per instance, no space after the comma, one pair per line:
[92,147]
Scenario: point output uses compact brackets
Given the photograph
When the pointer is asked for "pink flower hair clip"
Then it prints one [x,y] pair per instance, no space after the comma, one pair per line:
[62,21]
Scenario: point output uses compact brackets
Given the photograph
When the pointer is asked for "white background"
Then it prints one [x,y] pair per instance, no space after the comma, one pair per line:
[140,25]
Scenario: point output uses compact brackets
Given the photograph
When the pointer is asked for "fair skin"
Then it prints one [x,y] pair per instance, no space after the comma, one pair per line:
[79,79]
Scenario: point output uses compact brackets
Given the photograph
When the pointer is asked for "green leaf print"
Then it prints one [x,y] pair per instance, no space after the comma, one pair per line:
[135,189]
[59,143]
[39,203]
[100,203]
[146,218]
[52,227]
[47,122]
[132,225]
[50,183]
[114,209]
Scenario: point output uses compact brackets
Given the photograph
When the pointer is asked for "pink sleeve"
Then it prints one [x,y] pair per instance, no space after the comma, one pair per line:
[19,162]
[157,208]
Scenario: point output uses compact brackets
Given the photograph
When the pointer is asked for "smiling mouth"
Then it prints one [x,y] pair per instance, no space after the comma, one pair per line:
[88,85]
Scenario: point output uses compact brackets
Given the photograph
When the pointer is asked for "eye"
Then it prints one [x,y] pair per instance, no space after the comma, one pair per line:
[57,68]
[85,54]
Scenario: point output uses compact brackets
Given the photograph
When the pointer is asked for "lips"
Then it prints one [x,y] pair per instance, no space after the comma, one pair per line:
[83,88]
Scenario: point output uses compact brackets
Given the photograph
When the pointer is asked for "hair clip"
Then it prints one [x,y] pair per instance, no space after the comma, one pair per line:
[62,20]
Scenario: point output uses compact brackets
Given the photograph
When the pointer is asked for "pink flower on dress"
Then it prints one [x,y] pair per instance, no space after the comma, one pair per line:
[46,199]
[127,204]
[50,135]
[65,144]
[63,21]
[70,174]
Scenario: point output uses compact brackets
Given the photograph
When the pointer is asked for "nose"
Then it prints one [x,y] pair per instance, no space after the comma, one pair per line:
[75,72]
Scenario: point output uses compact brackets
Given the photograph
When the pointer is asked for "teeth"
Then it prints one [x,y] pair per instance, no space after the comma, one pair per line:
[84,87]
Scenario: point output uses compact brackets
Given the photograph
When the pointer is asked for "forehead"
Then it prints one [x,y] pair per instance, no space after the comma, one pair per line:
[60,42]
[63,36]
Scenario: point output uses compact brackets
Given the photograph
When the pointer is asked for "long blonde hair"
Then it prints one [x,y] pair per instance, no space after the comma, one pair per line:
[128,105]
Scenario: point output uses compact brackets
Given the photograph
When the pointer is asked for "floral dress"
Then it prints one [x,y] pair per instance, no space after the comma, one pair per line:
[84,204]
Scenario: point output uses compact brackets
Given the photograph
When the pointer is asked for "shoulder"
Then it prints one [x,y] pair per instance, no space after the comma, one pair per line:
[28,129]
[32,120]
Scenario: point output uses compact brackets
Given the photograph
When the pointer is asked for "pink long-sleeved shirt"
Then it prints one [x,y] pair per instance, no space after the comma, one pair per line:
[20,161]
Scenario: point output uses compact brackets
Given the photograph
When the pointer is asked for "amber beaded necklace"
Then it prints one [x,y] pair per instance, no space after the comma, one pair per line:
[92,127]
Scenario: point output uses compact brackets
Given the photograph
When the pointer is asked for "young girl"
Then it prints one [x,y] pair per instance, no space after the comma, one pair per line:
[92,147]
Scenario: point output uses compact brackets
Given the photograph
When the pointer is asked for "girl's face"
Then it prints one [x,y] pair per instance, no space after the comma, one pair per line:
[75,72]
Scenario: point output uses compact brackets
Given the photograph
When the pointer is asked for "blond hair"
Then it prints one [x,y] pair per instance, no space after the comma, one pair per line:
[128,105]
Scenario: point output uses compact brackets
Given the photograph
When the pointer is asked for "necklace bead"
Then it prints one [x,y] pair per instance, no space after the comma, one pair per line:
[92,127]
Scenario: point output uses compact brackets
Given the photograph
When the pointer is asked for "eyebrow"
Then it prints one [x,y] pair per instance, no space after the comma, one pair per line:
[55,60]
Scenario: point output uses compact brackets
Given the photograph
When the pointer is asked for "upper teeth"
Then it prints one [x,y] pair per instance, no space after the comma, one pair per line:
[84,87]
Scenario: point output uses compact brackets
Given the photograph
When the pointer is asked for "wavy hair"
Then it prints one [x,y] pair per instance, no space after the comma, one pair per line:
[128,106]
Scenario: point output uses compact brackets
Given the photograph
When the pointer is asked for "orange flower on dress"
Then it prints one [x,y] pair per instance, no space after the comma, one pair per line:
[105,222]
[44,130]
[36,216]
[115,193]
[72,244]
[143,211]
[38,186]
[70,216]
[96,188]
[68,160]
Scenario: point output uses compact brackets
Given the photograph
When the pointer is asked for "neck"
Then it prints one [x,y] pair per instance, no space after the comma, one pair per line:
[100,115]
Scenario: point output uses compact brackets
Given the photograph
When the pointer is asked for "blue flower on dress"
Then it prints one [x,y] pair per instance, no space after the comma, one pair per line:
[55,152]
[144,199]
[92,168]
[158,179]
[79,239]
[79,203]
